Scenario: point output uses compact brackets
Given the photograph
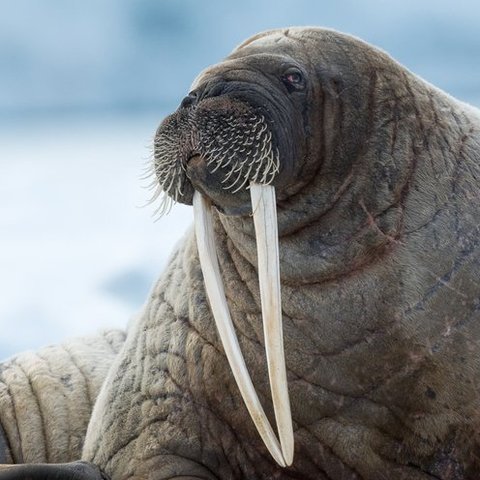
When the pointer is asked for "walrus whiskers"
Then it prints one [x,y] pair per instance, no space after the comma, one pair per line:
[240,145]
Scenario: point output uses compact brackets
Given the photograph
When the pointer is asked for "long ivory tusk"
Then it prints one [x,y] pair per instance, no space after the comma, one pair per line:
[218,303]
[265,221]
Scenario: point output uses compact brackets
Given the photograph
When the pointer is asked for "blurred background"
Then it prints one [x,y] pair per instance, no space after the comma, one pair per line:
[83,86]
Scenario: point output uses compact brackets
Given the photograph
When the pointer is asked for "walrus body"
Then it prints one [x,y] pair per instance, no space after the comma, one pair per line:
[378,189]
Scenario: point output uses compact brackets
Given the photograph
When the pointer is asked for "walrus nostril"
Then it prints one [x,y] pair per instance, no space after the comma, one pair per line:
[189,100]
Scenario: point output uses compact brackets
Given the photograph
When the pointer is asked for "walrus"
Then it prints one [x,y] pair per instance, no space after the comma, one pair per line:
[322,319]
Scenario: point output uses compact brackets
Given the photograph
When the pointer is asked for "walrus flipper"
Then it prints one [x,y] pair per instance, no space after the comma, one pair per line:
[47,396]
[5,455]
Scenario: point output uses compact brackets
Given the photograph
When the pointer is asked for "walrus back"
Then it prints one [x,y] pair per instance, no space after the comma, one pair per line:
[46,398]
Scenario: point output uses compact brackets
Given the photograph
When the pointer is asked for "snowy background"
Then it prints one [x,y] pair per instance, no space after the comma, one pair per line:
[83,85]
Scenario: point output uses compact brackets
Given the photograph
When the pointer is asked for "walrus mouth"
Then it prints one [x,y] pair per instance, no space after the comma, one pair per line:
[232,139]
[265,221]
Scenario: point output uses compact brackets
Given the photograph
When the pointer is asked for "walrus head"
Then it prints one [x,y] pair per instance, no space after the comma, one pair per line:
[240,123]
[280,130]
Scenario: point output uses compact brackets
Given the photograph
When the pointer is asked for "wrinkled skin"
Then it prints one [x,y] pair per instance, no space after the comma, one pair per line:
[47,396]
[378,218]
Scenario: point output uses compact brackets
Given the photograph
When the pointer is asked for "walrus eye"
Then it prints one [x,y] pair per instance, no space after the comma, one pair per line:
[293,79]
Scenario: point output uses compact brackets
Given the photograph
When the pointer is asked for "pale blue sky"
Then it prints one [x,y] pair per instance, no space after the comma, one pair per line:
[57,54]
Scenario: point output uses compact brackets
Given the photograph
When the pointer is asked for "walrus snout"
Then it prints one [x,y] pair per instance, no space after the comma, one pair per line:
[216,145]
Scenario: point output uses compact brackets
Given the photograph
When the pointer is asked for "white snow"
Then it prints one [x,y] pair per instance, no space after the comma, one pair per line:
[77,253]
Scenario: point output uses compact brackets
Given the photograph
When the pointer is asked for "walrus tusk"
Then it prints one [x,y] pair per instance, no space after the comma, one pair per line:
[265,221]
[269,279]
[216,295]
